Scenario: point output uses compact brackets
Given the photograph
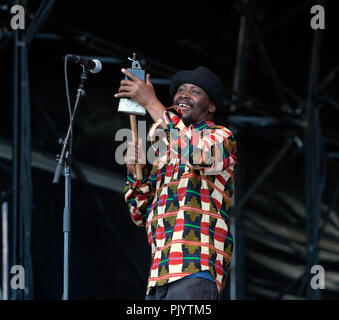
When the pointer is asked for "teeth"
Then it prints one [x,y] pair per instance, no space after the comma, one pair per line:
[184,105]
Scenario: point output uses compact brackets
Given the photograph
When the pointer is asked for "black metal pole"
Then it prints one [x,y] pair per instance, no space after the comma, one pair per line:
[20,218]
[237,277]
[15,163]
[26,187]
[67,227]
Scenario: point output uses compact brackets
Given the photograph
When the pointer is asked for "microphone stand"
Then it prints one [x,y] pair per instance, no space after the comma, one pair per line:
[64,161]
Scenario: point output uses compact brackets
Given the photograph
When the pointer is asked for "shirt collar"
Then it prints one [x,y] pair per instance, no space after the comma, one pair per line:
[202,125]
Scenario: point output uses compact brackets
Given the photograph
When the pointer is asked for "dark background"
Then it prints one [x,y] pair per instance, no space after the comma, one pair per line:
[109,255]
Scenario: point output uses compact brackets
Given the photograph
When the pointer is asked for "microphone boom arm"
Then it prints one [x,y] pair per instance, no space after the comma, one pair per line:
[65,152]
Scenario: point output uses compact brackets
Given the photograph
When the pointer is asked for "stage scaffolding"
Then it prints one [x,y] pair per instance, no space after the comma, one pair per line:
[309,140]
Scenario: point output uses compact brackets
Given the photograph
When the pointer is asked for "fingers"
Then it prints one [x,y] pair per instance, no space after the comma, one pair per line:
[125,89]
[135,151]
[130,75]
[131,155]
[132,87]
[122,95]
[126,82]
[126,86]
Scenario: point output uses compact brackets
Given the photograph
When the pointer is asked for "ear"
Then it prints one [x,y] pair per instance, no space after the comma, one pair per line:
[212,108]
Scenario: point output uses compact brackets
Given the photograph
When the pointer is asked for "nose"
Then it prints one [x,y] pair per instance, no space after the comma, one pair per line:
[184,94]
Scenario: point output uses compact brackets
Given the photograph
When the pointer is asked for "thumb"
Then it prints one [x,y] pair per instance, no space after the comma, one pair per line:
[148,81]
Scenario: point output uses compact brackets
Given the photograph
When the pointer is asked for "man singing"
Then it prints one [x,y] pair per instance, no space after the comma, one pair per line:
[184,201]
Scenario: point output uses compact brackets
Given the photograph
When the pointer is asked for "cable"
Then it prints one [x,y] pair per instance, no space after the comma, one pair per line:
[68,102]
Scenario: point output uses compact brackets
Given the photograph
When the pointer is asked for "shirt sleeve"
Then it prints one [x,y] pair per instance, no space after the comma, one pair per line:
[138,194]
[212,149]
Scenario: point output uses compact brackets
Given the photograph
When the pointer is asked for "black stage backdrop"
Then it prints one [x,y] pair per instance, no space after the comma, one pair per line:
[277,78]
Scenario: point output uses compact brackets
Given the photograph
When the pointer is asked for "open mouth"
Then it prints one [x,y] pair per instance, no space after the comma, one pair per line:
[184,106]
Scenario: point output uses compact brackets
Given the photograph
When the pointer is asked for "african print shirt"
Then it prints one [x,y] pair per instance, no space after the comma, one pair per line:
[184,202]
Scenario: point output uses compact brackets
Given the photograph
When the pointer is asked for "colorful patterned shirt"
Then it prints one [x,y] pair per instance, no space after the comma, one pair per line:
[184,202]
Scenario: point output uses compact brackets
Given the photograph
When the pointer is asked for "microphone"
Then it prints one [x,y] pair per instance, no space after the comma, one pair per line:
[93,66]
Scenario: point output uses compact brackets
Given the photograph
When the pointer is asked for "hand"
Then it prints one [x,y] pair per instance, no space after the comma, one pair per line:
[136,89]
[134,151]
[142,93]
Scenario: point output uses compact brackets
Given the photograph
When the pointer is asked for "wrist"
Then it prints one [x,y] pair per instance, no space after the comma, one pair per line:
[155,108]
[152,104]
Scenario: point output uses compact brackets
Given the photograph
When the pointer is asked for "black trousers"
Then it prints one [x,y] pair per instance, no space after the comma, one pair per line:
[185,289]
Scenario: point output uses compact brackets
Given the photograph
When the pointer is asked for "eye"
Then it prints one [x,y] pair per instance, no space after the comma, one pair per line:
[196,91]
[180,89]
